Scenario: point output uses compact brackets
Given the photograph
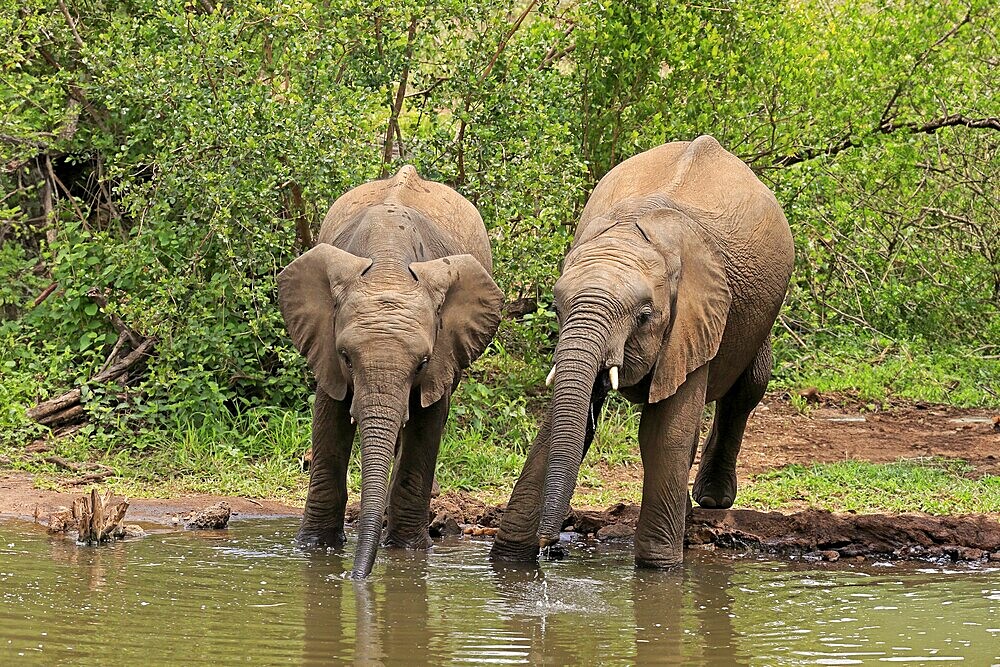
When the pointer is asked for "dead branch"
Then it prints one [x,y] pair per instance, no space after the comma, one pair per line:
[555,56]
[72,24]
[954,120]
[48,208]
[392,129]
[555,53]
[848,141]
[45,294]
[302,233]
[68,406]
[22,141]
[73,466]
[123,329]
[91,478]
[115,349]
[918,63]
[91,472]
[97,519]
[503,42]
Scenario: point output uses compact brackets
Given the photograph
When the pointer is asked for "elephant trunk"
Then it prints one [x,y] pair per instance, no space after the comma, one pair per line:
[379,426]
[579,358]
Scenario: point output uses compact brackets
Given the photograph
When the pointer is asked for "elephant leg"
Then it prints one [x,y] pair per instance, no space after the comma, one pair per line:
[667,432]
[517,539]
[715,484]
[332,437]
[413,475]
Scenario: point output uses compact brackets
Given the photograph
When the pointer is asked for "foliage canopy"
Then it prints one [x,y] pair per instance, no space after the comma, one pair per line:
[172,156]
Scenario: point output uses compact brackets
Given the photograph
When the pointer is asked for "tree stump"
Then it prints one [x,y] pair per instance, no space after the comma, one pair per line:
[97,519]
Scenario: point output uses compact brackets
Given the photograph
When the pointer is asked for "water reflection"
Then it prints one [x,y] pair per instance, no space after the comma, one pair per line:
[248,596]
[381,620]
[686,616]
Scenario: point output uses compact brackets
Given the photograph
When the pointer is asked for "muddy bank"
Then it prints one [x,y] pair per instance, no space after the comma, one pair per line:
[19,499]
[812,534]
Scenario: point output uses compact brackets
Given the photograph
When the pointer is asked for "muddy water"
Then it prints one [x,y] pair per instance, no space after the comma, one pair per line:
[245,596]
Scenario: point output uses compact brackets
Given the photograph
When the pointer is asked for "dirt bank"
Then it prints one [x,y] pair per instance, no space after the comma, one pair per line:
[19,499]
[811,533]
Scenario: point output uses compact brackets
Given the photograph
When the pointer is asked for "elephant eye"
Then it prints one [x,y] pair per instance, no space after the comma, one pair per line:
[347,359]
[644,315]
[423,364]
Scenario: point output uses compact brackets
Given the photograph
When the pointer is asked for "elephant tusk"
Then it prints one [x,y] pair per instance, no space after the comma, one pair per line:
[352,421]
[613,374]
[550,377]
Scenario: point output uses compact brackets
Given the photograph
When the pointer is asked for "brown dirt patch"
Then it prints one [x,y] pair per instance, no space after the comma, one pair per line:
[968,538]
[19,499]
[836,430]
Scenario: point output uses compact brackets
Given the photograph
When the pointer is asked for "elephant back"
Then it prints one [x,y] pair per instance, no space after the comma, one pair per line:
[453,216]
[713,186]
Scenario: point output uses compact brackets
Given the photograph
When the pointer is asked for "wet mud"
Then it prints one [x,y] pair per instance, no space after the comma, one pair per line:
[811,534]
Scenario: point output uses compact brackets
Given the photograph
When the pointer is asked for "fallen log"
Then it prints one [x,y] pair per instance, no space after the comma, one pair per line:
[68,406]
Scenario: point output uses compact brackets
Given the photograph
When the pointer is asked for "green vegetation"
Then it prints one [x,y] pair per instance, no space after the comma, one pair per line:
[160,162]
[934,486]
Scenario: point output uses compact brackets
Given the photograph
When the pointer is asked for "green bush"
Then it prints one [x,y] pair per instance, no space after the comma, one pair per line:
[170,155]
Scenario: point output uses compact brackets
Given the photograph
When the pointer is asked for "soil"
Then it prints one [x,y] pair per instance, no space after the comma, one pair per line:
[837,429]
[19,499]
[831,429]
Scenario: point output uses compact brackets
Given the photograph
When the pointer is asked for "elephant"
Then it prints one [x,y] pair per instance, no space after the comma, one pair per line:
[392,303]
[668,293]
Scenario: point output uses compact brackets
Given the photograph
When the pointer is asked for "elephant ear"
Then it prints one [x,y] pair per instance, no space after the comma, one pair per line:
[309,292]
[700,303]
[469,305]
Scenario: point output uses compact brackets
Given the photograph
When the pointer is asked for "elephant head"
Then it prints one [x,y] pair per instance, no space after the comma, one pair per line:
[643,294]
[379,336]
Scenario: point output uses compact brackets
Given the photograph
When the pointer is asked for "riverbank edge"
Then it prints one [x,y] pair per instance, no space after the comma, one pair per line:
[810,534]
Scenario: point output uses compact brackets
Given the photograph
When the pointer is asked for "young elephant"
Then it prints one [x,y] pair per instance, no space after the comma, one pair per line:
[393,302]
[674,279]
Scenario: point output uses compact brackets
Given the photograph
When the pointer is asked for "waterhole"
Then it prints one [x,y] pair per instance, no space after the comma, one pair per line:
[246,596]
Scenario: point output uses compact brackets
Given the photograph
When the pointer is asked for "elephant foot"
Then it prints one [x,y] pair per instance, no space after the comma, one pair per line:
[402,541]
[715,490]
[659,563]
[513,552]
[320,538]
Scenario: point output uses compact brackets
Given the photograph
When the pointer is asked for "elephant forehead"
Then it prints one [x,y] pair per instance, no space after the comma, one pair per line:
[622,278]
[615,255]
[391,307]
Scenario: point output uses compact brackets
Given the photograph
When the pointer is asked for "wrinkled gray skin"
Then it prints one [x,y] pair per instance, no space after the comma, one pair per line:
[393,302]
[676,275]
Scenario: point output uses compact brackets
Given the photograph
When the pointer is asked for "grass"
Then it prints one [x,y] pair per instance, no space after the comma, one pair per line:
[878,371]
[494,420]
[254,455]
[933,486]
[257,456]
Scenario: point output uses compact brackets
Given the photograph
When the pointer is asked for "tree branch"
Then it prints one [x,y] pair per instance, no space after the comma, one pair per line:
[72,24]
[921,59]
[392,129]
[503,42]
[929,127]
